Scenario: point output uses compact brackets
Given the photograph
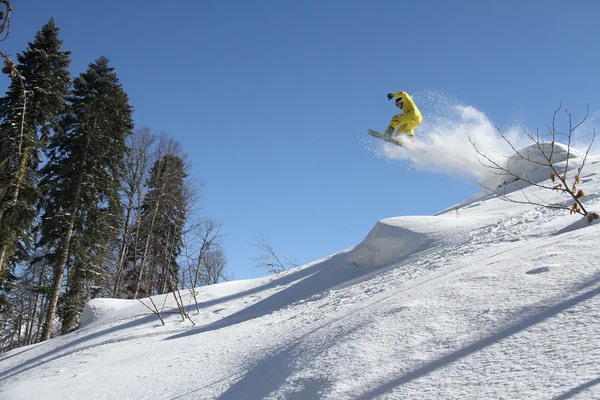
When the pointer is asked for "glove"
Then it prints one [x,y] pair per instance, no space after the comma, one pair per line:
[390,96]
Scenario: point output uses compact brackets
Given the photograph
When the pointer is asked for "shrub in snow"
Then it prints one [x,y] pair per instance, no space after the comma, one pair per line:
[531,165]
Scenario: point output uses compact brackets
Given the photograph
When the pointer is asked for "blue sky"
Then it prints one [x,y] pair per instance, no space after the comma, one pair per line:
[271,99]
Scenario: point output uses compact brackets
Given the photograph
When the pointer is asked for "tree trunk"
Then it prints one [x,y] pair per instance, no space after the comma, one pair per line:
[146,246]
[64,249]
[123,254]
[59,269]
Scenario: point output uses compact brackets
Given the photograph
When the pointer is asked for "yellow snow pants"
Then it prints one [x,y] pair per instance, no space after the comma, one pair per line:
[407,124]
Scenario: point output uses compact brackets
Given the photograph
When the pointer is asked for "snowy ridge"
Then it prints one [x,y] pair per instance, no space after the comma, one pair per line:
[393,239]
[487,299]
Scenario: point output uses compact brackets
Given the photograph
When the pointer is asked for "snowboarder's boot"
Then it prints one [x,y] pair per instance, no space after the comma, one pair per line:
[388,133]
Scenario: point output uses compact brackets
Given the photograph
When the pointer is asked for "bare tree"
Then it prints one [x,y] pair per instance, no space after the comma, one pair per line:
[544,153]
[214,266]
[268,259]
[204,257]
[137,164]
[208,234]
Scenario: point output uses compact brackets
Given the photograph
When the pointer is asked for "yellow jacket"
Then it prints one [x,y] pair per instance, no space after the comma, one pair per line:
[408,106]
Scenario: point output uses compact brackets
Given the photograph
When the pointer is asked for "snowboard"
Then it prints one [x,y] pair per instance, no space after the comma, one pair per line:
[394,140]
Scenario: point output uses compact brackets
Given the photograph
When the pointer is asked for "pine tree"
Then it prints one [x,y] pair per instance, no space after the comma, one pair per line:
[81,185]
[160,240]
[29,113]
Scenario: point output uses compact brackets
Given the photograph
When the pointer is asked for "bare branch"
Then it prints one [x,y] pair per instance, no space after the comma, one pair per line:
[154,310]
[504,197]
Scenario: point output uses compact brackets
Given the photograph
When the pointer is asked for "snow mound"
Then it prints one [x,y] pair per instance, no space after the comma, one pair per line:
[394,239]
[530,163]
[533,158]
[96,308]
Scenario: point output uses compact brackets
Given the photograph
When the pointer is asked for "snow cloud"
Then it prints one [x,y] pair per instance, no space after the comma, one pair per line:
[443,139]
[443,144]
[586,133]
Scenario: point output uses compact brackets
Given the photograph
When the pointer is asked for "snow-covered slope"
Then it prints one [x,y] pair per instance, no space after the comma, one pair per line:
[488,299]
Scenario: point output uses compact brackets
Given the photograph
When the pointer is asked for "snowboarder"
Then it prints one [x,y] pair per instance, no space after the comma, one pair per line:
[406,122]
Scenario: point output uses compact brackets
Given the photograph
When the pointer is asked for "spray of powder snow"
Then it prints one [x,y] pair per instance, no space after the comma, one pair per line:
[586,133]
[443,140]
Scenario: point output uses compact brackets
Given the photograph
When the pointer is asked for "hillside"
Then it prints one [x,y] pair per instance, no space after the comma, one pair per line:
[487,299]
